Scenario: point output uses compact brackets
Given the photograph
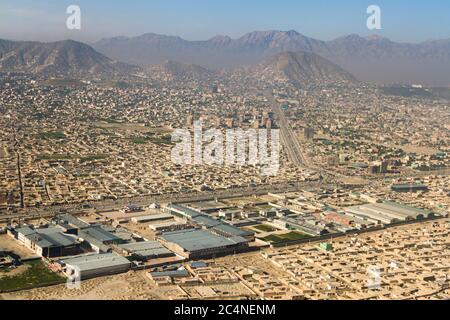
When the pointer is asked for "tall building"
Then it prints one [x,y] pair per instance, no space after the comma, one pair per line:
[378,167]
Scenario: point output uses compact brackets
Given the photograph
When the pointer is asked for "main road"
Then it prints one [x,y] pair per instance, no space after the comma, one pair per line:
[288,137]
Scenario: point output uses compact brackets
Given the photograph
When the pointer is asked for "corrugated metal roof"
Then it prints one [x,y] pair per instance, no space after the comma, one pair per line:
[99,234]
[185,210]
[154,217]
[171,273]
[96,261]
[388,211]
[146,249]
[72,220]
[232,231]
[48,237]
[54,240]
[206,221]
[25,231]
[195,239]
[136,246]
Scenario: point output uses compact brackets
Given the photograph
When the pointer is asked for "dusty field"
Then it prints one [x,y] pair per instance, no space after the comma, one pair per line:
[219,292]
[142,229]
[9,244]
[354,180]
[246,201]
[14,272]
[129,286]
[418,149]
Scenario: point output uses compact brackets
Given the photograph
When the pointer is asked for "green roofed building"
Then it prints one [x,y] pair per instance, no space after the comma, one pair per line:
[326,246]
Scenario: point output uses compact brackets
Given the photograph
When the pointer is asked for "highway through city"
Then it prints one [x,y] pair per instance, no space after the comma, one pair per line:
[288,137]
[292,145]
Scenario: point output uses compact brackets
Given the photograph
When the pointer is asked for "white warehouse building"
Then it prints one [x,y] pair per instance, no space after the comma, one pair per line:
[95,265]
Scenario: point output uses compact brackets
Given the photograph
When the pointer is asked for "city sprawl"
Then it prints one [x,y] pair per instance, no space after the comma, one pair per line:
[94,205]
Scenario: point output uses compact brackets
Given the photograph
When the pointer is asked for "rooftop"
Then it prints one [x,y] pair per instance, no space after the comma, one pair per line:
[99,234]
[146,249]
[195,239]
[95,261]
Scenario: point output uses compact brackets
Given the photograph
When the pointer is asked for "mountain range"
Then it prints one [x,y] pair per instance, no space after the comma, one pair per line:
[300,69]
[71,58]
[57,58]
[371,59]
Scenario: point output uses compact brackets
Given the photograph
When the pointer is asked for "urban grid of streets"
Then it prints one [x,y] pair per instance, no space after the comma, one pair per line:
[93,146]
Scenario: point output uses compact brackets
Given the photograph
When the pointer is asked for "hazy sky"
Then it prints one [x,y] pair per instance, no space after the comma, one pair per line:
[45,20]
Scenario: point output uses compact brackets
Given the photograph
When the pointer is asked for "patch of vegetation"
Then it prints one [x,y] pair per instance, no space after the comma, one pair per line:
[52,135]
[140,140]
[55,157]
[36,275]
[292,236]
[164,140]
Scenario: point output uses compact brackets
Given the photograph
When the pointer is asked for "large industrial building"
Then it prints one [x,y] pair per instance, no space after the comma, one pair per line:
[409,188]
[387,213]
[151,218]
[168,226]
[94,265]
[146,250]
[46,242]
[200,243]
[209,223]
[98,238]
[68,221]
